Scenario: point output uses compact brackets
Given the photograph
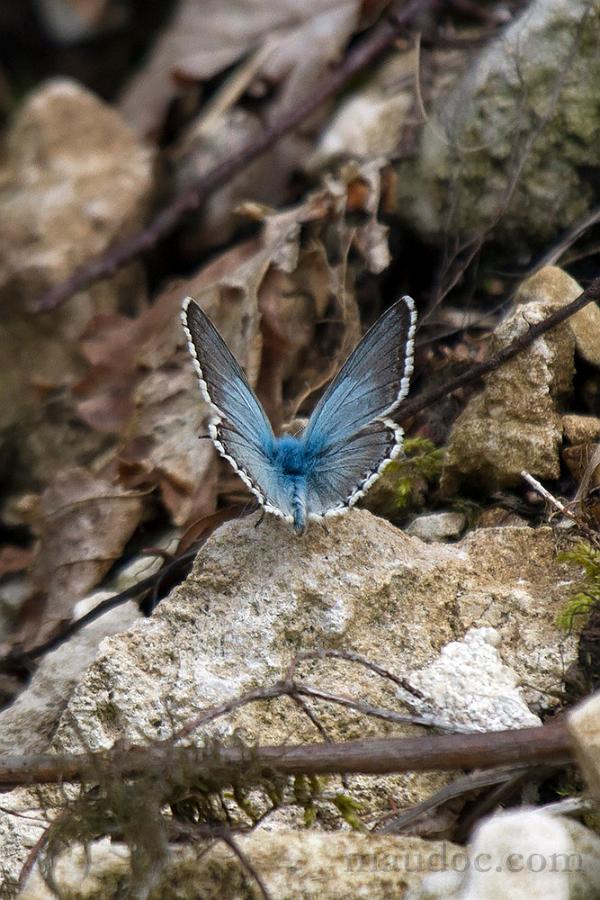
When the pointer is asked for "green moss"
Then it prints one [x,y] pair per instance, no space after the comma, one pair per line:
[406,482]
[423,460]
[587,593]
[348,809]
[424,457]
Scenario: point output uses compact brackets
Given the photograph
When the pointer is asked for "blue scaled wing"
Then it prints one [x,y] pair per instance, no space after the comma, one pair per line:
[350,437]
[239,427]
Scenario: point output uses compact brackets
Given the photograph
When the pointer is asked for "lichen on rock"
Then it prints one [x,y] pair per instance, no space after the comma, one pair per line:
[525,116]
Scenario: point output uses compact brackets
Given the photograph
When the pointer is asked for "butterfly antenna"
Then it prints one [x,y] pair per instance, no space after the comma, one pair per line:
[262,515]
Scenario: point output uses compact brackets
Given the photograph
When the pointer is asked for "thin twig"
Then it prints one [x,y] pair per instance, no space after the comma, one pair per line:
[485,805]
[351,656]
[291,689]
[305,708]
[312,717]
[590,533]
[228,839]
[582,490]
[24,658]
[566,240]
[466,784]
[376,712]
[454,267]
[34,853]
[113,259]
[551,499]
[223,709]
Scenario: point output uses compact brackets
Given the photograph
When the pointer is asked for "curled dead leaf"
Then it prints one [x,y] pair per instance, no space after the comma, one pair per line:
[14,559]
[83,524]
[207,36]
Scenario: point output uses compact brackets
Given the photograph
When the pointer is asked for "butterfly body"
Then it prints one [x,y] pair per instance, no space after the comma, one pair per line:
[349,439]
[290,456]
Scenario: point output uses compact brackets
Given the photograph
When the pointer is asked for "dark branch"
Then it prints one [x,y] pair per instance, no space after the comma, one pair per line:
[370,756]
[476,372]
[23,659]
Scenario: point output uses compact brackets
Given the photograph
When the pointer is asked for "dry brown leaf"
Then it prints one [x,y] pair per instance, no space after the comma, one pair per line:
[168,420]
[115,347]
[283,48]
[143,385]
[310,316]
[14,559]
[207,36]
[308,331]
[201,529]
[285,310]
[83,523]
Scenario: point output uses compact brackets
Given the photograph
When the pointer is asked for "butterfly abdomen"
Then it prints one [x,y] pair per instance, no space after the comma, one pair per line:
[299,505]
[290,460]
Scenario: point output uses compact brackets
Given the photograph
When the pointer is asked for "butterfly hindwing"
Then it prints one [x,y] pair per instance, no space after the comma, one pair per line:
[239,427]
[342,474]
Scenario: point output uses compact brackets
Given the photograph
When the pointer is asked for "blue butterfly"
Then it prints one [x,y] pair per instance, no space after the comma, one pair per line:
[349,438]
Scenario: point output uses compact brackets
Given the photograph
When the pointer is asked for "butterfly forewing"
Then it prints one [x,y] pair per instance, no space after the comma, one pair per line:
[372,382]
[349,437]
[222,380]
[239,428]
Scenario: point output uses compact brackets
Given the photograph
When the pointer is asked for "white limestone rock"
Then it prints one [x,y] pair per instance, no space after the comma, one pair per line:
[524,855]
[26,725]
[584,726]
[469,684]
[257,596]
[291,864]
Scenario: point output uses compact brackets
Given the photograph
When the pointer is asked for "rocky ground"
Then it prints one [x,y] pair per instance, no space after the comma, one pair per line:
[144,602]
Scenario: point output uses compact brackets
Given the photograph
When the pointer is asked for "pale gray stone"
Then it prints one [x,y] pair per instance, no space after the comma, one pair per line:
[257,596]
[441,526]
[74,178]
[26,725]
[514,422]
[581,429]
[292,865]
[584,725]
